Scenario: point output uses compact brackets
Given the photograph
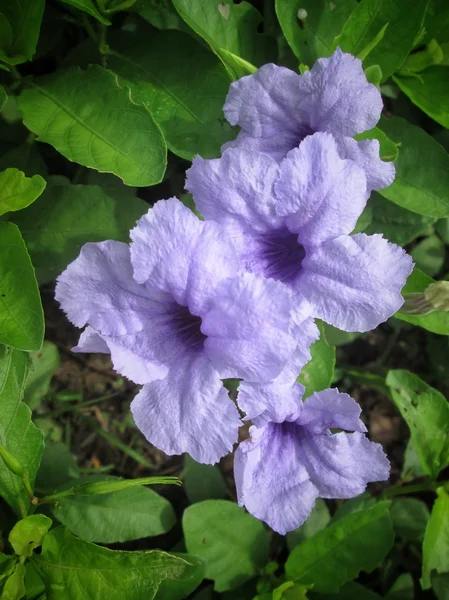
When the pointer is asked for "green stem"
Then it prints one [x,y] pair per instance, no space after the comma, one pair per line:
[90,30]
[414,488]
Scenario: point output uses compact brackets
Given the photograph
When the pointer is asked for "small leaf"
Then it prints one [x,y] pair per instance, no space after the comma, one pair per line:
[233,544]
[419,61]
[23,19]
[202,482]
[422,170]
[402,589]
[374,75]
[89,7]
[372,44]
[426,412]
[90,119]
[335,555]
[21,316]
[318,373]
[436,539]
[410,517]
[388,149]
[237,67]
[28,534]
[73,568]
[18,191]
[15,585]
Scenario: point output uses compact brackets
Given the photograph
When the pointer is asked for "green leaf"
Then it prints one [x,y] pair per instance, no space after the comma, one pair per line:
[89,7]
[314,38]
[229,26]
[368,19]
[90,119]
[422,170]
[160,13]
[436,322]
[45,364]
[350,591]
[21,316]
[436,23]
[436,541]
[318,519]
[409,517]
[432,54]
[182,84]
[398,224]
[372,44]
[202,482]
[233,544]
[335,555]
[237,67]
[20,22]
[388,149]
[15,585]
[429,91]
[68,216]
[17,433]
[318,373]
[26,158]
[411,469]
[337,337]
[440,586]
[125,515]
[73,568]
[429,255]
[3,97]
[28,534]
[402,589]
[374,75]
[57,467]
[426,412]
[18,191]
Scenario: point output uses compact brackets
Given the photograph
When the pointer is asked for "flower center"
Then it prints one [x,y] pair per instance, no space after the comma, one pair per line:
[187,328]
[281,255]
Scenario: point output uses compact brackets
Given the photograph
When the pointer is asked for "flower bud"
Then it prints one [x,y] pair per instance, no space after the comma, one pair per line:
[434,298]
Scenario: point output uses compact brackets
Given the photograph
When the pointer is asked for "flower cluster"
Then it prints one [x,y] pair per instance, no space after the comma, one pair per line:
[189,303]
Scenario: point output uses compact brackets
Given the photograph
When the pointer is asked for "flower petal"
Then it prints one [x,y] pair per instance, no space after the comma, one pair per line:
[336,96]
[341,465]
[271,480]
[276,147]
[330,409]
[320,195]
[235,189]
[91,341]
[248,329]
[379,174]
[188,411]
[354,283]
[98,288]
[271,402]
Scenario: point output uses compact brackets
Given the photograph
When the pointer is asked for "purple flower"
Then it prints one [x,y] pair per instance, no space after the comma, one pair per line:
[291,222]
[292,458]
[277,108]
[177,317]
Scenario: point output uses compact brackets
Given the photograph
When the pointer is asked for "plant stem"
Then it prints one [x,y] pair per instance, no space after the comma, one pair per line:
[414,488]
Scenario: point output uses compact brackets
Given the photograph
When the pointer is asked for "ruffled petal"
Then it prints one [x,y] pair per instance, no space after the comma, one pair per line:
[320,195]
[248,329]
[330,409]
[271,402]
[188,411]
[176,253]
[236,189]
[354,283]
[276,147]
[98,288]
[271,480]
[91,341]
[335,96]
[365,154]
[341,465]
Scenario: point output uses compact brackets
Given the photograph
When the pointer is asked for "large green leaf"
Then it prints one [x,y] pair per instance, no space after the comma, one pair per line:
[229,26]
[398,224]
[17,433]
[20,22]
[429,91]
[426,412]
[336,554]
[73,568]
[436,23]
[202,482]
[18,191]
[316,521]
[388,150]
[410,517]
[315,37]
[56,469]
[182,83]
[124,515]
[422,170]
[318,373]
[89,7]
[436,539]
[68,216]
[21,315]
[404,19]
[160,13]
[90,119]
[233,544]
[436,322]
[45,364]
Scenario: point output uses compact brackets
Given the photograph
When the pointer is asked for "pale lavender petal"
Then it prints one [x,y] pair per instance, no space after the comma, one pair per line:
[189,411]
[98,288]
[91,341]
[379,174]
[236,189]
[272,402]
[341,465]
[276,147]
[330,409]
[271,480]
[248,329]
[354,283]
[320,195]
[335,96]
